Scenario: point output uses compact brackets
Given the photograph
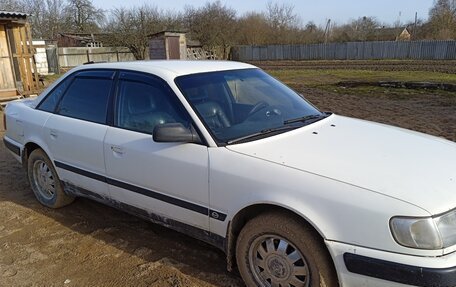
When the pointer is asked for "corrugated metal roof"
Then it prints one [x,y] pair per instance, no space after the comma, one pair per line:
[15,15]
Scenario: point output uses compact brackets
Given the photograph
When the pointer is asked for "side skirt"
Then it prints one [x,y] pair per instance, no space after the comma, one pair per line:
[200,234]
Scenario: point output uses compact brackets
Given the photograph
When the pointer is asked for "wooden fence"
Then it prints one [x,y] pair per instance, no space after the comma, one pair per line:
[64,58]
[414,50]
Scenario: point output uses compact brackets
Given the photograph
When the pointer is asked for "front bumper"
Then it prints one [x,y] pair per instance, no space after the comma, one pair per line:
[400,273]
[358,266]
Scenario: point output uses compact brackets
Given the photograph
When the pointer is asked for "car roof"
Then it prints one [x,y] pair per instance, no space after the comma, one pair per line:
[171,68]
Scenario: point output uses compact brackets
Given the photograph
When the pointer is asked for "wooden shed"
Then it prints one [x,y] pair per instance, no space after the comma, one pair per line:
[167,45]
[17,64]
[392,34]
[94,40]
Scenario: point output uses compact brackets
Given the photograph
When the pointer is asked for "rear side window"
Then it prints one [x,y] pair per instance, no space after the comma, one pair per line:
[87,99]
[52,99]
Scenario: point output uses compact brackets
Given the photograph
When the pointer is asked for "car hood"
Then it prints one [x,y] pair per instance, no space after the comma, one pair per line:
[406,165]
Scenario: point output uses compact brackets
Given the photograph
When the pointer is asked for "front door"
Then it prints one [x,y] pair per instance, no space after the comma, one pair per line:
[167,180]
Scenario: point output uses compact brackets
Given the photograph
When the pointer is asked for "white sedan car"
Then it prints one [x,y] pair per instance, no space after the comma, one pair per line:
[225,153]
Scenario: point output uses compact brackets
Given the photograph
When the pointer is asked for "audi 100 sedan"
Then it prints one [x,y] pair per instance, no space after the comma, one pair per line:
[229,155]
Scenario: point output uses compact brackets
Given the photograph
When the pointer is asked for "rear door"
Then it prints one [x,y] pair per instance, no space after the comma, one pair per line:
[168,180]
[76,130]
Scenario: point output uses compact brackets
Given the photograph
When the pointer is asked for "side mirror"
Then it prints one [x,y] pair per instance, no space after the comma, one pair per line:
[175,132]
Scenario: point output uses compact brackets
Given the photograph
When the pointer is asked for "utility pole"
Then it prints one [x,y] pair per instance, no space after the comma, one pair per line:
[414,26]
[327,30]
[398,22]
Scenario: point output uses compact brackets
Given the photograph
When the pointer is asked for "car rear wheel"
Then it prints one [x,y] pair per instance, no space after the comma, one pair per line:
[278,250]
[45,182]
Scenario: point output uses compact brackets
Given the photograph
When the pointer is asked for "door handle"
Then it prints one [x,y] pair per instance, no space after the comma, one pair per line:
[53,133]
[117,149]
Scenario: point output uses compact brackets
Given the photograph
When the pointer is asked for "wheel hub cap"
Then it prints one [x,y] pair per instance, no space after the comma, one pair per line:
[43,179]
[274,261]
[278,267]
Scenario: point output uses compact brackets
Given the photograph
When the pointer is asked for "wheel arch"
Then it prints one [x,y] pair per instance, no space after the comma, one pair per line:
[249,212]
[28,148]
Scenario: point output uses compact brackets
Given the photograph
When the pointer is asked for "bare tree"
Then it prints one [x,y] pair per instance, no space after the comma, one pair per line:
[311,34]
[54,19]
[83,16]
[214,25]
[11,5]
[37,10]
[283,22]
[281,16]
[130,27]
[46,16]
[442,20]
[253,29]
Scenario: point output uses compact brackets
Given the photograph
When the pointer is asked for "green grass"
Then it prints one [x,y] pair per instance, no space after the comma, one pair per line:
[326,80]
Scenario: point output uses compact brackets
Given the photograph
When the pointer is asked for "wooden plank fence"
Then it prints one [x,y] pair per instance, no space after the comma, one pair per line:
[381,50]
[68,57]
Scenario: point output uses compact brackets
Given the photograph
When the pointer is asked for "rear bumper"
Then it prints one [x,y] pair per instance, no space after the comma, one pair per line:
[359,266]
[400,273]
[13,147]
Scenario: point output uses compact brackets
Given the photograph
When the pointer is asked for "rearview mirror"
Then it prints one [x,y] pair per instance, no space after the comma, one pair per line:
[175,132]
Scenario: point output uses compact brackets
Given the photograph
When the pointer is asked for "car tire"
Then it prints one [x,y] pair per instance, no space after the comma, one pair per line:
[276,249]
[44,181]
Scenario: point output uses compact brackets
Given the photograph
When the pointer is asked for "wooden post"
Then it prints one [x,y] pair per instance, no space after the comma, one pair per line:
[19,57]
[32,50]
[117,54]
[27,58]
[11,56]
[88,56]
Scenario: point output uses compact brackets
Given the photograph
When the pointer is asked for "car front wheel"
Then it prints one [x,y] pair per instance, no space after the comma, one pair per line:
[45,182]
[278,250]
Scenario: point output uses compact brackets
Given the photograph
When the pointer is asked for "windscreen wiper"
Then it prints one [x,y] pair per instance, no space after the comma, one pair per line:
[261,134]
[305,119]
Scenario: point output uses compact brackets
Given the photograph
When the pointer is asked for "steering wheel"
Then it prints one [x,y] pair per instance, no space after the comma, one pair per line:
[258,106]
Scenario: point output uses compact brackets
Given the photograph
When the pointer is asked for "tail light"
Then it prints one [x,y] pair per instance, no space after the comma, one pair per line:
[4,121]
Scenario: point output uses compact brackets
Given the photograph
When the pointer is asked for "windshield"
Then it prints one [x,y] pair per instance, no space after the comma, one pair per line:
[243,105]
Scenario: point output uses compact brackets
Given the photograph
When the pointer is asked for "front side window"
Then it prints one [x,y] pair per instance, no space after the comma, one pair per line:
[87,97]
[242,105]
[143,102]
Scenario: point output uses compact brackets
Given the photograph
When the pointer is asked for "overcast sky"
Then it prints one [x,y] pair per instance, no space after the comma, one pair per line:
[318,11]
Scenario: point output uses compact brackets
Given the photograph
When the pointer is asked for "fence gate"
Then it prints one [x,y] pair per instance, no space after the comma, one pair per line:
[53,60]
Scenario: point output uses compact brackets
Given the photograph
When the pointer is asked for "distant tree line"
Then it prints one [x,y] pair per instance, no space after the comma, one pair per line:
[216,25]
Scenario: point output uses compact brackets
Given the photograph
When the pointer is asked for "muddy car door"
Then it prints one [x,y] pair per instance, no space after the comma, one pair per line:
[167,182]
[75,132]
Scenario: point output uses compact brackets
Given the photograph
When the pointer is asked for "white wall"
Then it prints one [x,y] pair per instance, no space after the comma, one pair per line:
[40,57]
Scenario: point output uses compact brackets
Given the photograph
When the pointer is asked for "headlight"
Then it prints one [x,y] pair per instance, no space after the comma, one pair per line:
[425,233]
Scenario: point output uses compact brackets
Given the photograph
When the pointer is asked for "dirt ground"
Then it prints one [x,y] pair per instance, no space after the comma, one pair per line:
[428,113]
[371,65]
[88,244]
